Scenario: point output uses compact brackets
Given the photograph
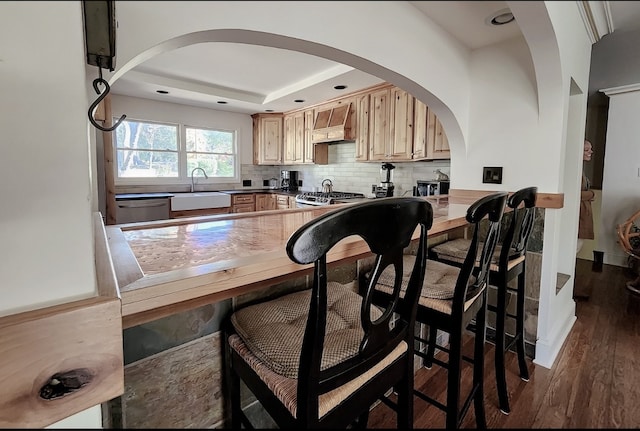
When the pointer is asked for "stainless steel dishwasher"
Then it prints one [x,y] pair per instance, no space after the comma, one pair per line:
[137,210]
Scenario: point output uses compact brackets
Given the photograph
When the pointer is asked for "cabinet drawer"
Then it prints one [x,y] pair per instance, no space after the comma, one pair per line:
[243,208]
[243,199]
[282,200]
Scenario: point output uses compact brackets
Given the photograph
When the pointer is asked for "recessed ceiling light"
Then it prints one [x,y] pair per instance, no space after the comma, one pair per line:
[162,91]
[340,87]
[222,102]
[501,17]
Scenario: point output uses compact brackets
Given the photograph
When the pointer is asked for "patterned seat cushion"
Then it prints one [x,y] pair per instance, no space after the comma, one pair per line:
[439,284]
[455,250]
[273,330]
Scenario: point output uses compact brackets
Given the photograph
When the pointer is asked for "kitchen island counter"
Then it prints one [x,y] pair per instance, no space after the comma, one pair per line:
[168,266]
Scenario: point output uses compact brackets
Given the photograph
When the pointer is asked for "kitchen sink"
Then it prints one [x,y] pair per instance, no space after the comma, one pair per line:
[200,200]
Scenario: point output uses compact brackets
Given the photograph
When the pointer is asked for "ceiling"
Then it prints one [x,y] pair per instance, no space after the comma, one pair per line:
[251,78]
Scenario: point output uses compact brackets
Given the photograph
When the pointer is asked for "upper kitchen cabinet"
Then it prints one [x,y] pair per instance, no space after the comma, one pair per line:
[439,146]
[267,139]
[390,124]
[293,138]
[313,153]
[362,141]
[298,145]
[429,140]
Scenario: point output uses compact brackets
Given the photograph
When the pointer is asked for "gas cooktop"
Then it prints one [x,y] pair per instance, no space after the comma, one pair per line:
[322,198]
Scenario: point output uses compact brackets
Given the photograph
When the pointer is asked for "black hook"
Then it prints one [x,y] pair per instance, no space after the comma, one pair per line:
[93,106]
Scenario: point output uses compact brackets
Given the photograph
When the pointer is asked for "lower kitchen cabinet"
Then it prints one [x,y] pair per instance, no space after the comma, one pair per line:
[199,212]
[265,201]
[243,203]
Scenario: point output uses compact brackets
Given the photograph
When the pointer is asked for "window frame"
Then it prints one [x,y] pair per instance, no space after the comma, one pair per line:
[184,177]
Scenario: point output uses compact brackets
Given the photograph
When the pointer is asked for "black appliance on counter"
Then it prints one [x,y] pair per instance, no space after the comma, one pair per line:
[431,188]
[289,181]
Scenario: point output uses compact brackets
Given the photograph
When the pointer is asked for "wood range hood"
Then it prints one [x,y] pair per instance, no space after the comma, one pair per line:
[333,125]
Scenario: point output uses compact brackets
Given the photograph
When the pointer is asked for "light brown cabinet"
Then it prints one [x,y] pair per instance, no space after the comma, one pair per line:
[267,139]
[298,146]
[313,153]
[293,138]
[243,203]
[362,141]
[438,144]
[265,201]
[284,202]
[390,124]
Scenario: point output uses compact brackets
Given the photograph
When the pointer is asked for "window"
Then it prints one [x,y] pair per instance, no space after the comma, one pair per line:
[154,153]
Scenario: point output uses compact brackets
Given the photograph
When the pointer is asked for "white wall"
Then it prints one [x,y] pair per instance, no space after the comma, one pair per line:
[45,223]
[621,177]
[45,178]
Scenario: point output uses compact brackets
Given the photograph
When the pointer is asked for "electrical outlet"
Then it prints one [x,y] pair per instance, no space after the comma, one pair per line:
[246,183]
[492,175]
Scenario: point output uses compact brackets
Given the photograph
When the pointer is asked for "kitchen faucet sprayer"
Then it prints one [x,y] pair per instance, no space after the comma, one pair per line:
[192,171]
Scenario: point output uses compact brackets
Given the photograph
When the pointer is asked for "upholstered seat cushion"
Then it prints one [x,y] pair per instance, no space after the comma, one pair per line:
[438,287]
[455,250]
[273,330]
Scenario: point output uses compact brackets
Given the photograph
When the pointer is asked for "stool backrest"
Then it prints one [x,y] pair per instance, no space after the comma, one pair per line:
[387,225]
[523,203]
[491,207]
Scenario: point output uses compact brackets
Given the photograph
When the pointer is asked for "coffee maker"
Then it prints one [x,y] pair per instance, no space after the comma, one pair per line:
[289,181]
[385,189]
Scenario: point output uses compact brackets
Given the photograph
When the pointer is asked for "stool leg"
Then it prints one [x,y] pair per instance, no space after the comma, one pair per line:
[431,347]
[478,366]
[522,363]
[453,378]
[501,314]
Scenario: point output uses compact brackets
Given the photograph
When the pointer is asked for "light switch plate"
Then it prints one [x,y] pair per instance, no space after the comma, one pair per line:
[492,175]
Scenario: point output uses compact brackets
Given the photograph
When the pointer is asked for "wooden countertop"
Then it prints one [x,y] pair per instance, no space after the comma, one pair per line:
[167,266]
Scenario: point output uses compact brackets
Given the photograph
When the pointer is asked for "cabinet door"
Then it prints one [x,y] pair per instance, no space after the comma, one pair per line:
[437,143]
[293,138]
[308,131]
[401,125]
[362,139]
[420,122]
[265,202]
[379,106]
[282,202]
[267,139]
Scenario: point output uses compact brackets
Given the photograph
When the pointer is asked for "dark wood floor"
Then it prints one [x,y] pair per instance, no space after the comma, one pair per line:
[594,383]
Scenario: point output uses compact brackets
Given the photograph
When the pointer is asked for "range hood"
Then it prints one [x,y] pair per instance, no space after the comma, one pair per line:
[333,125]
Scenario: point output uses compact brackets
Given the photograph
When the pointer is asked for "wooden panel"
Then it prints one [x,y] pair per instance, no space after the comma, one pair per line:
[544,200]
[401,125]
[421,115]
[362,136]
[82,335]
[379,124]
[247,198]
[199,212]
[105,273]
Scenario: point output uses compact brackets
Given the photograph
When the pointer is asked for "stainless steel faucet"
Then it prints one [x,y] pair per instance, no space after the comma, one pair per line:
[195,169]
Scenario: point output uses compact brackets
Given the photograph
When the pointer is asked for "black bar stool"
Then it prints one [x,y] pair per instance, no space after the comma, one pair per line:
[508,263]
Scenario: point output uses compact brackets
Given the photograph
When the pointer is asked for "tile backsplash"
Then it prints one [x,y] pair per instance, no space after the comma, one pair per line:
[347,175]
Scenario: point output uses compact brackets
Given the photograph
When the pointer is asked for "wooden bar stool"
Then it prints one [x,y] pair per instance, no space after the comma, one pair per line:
[451,297]
[508,263]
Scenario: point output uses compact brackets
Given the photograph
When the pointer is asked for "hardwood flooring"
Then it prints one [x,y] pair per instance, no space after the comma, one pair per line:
[594,383]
